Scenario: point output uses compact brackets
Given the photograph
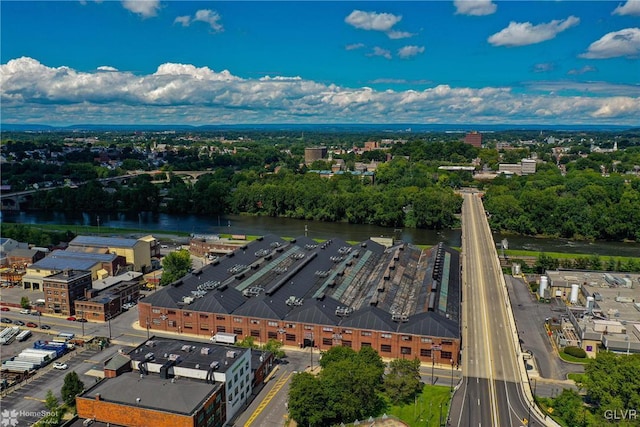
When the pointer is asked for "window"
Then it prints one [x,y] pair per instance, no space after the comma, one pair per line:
[424,339]
[447,342]
[327,341]
[365,344]
[327,329]
[385,336]
[347,331]
[346,343]
[185,313]
[406,338]
[156,311]
[237,319]
[308,328]
[272,335]
[290,337]
[446,355]
[218,317]
[204,316]
[425,352]
[273,324]
[255,333]
[204,327]
[188,325]
[237,331]
[221,329]
[385,348]
[255,322]
[290,325]
[405,350]
[365,333]
[171,312]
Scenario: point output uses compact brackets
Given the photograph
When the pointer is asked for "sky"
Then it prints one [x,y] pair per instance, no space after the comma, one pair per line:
[424,62]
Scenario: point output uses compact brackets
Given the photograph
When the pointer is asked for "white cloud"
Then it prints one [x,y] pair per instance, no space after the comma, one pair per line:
[144,8]
[354,46]
[583,70]
[475,7]
[375,21]
[372,20]
[31,92]
[184,20]
[631,7]
[525,33]
[210,17]
[106,68]
[618,43]
[544,67]
[378,51]
[409,51]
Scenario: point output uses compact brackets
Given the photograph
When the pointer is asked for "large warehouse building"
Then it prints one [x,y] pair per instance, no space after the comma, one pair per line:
[402,301]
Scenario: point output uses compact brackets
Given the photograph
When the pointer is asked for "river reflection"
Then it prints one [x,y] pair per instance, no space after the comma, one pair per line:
[234,224]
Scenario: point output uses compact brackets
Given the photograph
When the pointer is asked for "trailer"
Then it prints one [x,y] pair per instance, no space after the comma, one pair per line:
[59,348]
[24,335]
[7,335]
[224,338]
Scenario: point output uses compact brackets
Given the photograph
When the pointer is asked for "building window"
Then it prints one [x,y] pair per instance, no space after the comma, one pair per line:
[171,323]
[327,329]
[308,328]
[237,319]
[447,342]
[365,344]
[327,341]
[273,324]
[255,333]
[290,325]
[221,329]
[385,348]
[272,335]
[365,333]
[221,318]
[156,311]
[406,338]
[346,343]
[405,350]
[204,316]
[290,337]
[185,313]
[255,322]
[171,312]
[188,325]
[237,331]
[445,355]
[425,352]
[204,327]
[347,331]
[425,339]
[385,336]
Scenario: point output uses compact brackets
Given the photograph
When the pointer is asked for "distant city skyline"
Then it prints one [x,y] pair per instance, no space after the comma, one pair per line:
[198,63]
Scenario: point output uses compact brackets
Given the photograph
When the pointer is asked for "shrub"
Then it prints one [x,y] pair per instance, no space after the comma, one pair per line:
[576,352]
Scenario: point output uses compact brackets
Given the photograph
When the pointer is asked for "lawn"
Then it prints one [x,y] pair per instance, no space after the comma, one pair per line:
[514,253]
[425,410]
[567,357]
[577,378]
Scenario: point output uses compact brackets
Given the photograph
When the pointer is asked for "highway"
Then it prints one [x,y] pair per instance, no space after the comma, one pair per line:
[492,392]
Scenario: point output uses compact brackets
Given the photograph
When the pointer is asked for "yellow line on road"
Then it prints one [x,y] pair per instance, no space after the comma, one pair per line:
[34,398]
[272,393]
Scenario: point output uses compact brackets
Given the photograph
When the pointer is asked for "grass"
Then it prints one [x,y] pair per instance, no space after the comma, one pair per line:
[88,229]
[560,255]
[568,358]
[425,411]
[577,378]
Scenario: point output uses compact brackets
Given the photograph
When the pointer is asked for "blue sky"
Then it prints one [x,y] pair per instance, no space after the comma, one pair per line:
[183,62]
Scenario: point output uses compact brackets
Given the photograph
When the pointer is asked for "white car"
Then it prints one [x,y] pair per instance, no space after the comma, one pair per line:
[25,311]
[60,365]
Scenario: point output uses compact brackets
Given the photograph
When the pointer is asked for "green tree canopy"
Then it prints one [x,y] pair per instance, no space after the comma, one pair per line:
[71,387]
[175,265]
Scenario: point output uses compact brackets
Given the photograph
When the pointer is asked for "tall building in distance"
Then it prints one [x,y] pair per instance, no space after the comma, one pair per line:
[311,154]
[474,138]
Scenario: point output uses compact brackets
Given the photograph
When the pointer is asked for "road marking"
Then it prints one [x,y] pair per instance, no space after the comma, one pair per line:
[35,398]
[478,401]
[272,393]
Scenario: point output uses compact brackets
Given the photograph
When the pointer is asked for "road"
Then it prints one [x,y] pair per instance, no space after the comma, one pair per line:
[492,392]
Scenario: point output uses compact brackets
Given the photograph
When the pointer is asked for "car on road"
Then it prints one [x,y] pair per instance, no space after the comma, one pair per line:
[47,327]
[25,311]
[71,319]
[4,309]
[19,322]
[32,325]
[60,365]
[81,320]
[6,320]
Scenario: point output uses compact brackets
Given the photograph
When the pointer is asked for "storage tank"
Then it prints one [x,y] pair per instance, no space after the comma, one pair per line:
[544,281]
[590,304]
[575,288]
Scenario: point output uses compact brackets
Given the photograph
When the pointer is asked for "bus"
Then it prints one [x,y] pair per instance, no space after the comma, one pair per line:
[22,336]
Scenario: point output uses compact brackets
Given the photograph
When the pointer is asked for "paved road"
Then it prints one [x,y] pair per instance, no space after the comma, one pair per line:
[491,393]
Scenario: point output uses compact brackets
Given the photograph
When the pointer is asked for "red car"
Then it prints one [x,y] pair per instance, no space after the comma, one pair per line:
[71,319]
[4,309]
[32,325]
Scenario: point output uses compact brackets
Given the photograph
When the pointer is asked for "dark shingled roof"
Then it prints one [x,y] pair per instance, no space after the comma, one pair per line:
[371,318]
[432,324]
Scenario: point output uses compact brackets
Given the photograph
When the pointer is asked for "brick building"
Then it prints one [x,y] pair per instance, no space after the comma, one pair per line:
[63,288]
[401,300]
[105,299]
[473,138]
[311,154]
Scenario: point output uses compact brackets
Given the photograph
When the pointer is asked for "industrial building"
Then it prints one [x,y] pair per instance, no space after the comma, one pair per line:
[106,298]
[137,252]
[169,382]
[603,308]
[402,301]
[473,138]
[311,154]
[63,288]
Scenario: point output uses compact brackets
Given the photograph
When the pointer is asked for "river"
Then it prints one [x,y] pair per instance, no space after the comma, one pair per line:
[234,224]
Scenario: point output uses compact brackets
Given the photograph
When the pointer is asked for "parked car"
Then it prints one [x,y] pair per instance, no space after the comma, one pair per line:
[81,320]
[6,320]
[71,319]
[25,311]
[45,327]
[4,309]
[32,325]
[60,365]
[19,322]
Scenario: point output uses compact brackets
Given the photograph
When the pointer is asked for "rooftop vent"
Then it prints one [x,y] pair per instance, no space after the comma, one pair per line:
[399,317]
[293,301]
[343,311]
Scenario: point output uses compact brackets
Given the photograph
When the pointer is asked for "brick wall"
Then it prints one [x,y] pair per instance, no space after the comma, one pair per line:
[125,415]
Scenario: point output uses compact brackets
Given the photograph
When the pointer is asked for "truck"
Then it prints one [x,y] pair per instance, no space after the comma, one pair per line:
[24,335]
[224,338]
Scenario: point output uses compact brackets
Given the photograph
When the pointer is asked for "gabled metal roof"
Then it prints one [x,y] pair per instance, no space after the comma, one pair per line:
[371,318]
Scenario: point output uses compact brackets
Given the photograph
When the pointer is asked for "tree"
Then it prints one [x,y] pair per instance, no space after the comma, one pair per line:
[274,346]
[54,415]
[71,387]
[175,265]
[402,381]
[25,303]
[307,401]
